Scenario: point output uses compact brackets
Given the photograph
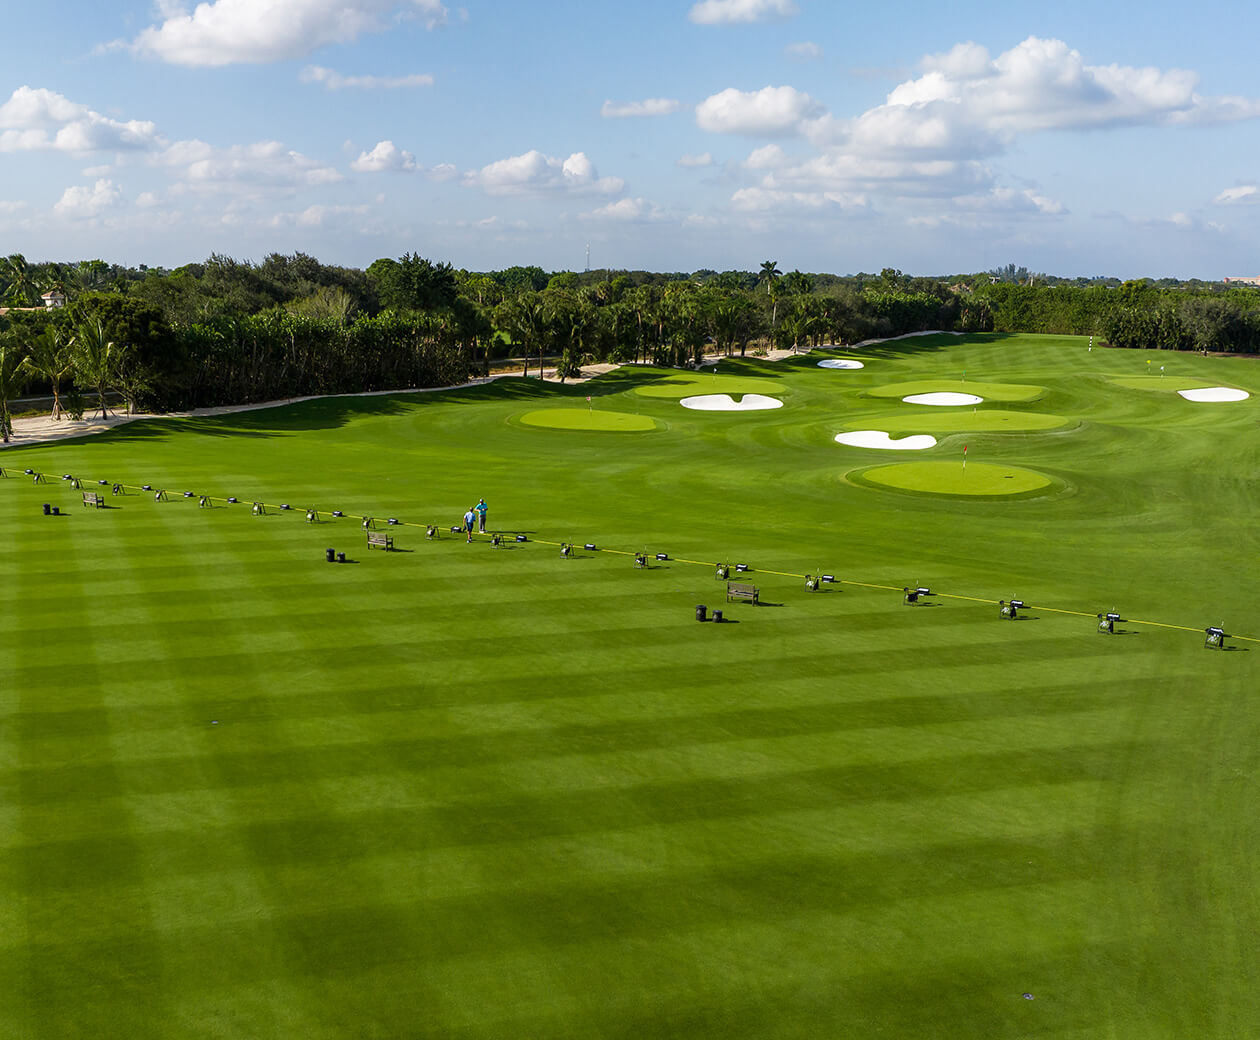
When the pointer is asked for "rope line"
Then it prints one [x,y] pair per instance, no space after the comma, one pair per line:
[10,471]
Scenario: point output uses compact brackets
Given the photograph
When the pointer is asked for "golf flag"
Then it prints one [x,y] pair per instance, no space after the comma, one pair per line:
[588,402]
[964,456]
[964,449]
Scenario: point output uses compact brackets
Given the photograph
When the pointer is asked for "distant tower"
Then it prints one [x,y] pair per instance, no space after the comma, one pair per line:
[588,256]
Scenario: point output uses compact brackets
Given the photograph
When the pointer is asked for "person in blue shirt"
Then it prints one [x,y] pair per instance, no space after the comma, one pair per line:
[481,508]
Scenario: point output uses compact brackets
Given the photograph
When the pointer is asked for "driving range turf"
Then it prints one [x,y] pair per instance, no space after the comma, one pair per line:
[460,791]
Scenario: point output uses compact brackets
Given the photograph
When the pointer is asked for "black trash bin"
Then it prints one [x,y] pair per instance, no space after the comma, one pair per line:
[48,510]
[717,616]
[702,612]
[330,555]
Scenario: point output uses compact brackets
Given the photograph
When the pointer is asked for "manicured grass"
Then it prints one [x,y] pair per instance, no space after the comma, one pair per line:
[459,791]
[1170,385]
[953,478]
[953,420]
[677,385]
[1005,392]
[587,419]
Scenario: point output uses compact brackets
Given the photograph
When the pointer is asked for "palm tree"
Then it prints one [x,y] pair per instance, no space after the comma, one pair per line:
[12,378]
[50,358]
[97,359]
[769,272]
[22,290]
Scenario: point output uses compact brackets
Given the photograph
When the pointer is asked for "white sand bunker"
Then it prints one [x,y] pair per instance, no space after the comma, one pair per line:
[1215,393]
[726,403]
[840,363]
[879,439]
[943,398]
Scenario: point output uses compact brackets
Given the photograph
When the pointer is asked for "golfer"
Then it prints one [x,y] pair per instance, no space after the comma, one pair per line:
[469,518]
[481,508]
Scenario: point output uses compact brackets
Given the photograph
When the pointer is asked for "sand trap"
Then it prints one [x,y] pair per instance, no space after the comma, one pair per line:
[879,439]
[1215,393]
[840,363]
[943,398]
[726,403]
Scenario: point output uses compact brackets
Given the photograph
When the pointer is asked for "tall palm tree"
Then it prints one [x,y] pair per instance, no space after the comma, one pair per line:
[12,379]
[23,289]
[49,357]
[97,358]
[769,272]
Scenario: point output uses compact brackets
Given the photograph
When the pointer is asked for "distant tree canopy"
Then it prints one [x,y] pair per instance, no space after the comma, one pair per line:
[227,331]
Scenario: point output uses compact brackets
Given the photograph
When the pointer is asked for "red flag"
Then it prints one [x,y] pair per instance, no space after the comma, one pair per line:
[964,449]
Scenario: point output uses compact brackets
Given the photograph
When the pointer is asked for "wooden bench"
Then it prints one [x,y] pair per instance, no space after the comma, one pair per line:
[740,590]
[93,498]
[380,540]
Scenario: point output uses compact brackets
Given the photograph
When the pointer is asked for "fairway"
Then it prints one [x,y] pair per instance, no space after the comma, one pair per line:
[466,791]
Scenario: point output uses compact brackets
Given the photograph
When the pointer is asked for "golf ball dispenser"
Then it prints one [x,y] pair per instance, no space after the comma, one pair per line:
[1010,609]
[1107,622]
[909,595]
[1214,638]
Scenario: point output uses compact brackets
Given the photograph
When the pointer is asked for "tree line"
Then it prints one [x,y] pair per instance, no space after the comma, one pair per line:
[228,331]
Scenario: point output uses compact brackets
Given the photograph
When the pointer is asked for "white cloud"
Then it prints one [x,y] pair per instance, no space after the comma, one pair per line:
[227,32]
[648,107]
[385,156]
[250,167]
[336,81]
[84,203]
[627,210]
[934,134]
[535,173]
[727,12]
[803,51]
[35,119]
[770,111]
[759,200]
[314,216]
[1245,193]
[767,157]
[1009,200]
[696,161]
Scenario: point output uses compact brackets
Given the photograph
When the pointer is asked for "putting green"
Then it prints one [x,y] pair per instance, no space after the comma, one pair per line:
[980,479]
[989,391]
[583,419]
[674,387]
[941,421]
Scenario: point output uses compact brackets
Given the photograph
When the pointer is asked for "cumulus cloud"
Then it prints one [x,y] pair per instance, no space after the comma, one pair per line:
[84,203]
[385,156]
[228,32]
[770,111]
[1010,200]
[1245,193]
[249,167]
[935,133]
[35,119]
[760,200]
[767,157]
[728,12]
[696,161]
[535,173]
[628,211]
[647,107]
[333,80]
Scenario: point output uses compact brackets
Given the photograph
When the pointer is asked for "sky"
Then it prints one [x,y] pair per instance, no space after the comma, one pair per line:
[1073,138]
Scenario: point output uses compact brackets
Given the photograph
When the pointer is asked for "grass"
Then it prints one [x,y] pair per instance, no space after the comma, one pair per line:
[953,478]
[588,419]
[466,792]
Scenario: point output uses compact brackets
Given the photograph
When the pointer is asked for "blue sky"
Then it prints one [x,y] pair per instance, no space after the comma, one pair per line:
[1072,138]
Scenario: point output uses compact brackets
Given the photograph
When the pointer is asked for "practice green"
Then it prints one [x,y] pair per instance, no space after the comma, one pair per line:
[1005,392]
[582,419]
[952,478]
